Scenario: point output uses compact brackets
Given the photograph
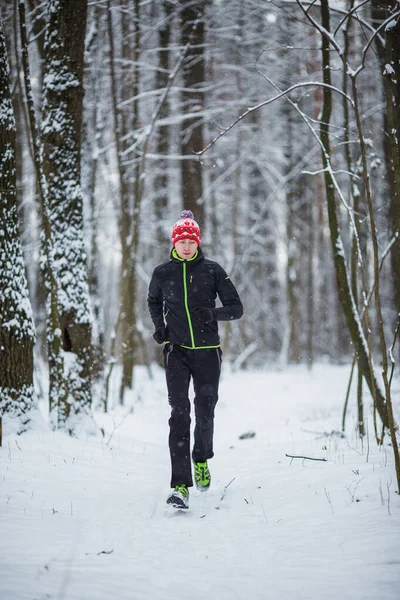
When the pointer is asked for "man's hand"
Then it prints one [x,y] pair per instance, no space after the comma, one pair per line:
[204,314]
[160,335]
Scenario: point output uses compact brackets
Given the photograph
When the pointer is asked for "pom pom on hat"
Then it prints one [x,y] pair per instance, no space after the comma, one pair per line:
[186,214]
[186,228]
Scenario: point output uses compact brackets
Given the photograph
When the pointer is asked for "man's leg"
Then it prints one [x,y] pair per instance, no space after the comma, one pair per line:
[206,373]
[178,379]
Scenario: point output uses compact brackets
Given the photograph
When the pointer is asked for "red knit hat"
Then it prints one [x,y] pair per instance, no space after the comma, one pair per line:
[186,228]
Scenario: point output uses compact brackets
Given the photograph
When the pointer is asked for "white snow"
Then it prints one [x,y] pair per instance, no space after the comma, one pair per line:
[86,519]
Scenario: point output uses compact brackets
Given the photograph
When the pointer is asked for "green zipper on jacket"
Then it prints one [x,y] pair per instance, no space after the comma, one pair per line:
[185,301]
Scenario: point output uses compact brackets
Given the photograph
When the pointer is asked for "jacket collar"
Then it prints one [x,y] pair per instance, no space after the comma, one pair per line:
[196,258]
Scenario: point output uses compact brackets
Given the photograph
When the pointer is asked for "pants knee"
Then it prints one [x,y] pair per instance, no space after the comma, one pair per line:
[180,417]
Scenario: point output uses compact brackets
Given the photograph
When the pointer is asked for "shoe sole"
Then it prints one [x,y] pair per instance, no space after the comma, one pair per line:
[177,502]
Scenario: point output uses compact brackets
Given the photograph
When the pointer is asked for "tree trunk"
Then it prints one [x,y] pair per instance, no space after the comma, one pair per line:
[57,390]
[38,23]
[292,284]
[124,87]
[193,101]
[389,56]
[61,137]
[356,253]
[342,276]
[92,135]
[17,332]
[163,225]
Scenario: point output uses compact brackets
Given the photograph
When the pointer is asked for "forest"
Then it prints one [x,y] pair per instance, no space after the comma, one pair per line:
[275,122]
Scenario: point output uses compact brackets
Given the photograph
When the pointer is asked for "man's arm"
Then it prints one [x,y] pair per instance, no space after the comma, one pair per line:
[155,301]
[232,307]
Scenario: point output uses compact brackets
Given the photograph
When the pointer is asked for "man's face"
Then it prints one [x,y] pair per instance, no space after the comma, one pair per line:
[186,249]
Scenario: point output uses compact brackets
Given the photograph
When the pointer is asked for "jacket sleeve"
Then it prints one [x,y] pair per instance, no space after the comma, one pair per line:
[232,307]
[155,301]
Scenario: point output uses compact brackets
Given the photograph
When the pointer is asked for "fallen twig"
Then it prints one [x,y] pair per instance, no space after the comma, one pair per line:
[323,434]
[329,499]
[225,488]
[305,458]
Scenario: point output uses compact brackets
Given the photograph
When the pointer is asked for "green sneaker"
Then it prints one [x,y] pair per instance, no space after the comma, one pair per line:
[202,476]
[179,497]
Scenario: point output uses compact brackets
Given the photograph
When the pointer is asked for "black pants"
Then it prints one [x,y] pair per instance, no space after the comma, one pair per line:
[204,366]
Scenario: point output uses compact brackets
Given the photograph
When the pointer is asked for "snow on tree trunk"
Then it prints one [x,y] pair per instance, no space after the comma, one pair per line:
[17,332]
[61,137]
[57,389]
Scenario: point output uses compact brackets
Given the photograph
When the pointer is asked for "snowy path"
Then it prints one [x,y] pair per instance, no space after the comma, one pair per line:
[87,520]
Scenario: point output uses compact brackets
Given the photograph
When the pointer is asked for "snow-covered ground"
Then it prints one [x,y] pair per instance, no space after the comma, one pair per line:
[86,519]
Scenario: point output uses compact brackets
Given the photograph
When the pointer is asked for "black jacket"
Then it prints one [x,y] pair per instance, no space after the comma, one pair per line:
[178,287]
